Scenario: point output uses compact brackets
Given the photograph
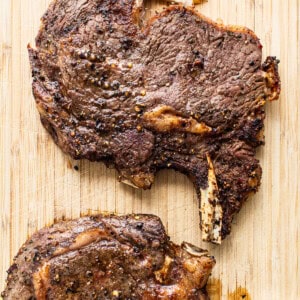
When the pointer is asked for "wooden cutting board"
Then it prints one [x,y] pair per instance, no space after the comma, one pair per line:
[259,260]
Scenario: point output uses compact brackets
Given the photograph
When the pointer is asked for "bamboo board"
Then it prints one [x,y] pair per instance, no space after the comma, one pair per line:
[259,260]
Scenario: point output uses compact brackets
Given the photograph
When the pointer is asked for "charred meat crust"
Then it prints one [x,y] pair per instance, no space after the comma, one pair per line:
[107,257]
[166,95]
[218,26]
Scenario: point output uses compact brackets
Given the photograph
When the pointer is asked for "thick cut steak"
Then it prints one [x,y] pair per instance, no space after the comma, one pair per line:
[178,92]
[108,257]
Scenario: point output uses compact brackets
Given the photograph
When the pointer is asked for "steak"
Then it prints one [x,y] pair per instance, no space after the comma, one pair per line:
[178,91]
[108,257]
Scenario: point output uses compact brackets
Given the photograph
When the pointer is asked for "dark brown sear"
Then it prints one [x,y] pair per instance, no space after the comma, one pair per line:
[180,92]
[108,257]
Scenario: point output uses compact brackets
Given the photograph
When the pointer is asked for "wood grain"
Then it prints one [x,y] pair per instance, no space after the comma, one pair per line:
[39,184]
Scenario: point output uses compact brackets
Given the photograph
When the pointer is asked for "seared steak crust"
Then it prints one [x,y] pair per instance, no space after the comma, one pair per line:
[180,92]
[107,257]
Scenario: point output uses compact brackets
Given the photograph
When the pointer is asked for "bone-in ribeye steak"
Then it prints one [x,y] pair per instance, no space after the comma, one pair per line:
[180,92]
[108,257]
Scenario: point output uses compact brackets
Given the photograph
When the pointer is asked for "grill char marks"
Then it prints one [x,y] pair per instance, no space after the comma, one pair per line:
[167,95]
[108,257]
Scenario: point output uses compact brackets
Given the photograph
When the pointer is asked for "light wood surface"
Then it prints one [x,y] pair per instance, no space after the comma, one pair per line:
[39,184]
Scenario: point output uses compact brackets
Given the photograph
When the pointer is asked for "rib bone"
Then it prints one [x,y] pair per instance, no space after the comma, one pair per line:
[210,208]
